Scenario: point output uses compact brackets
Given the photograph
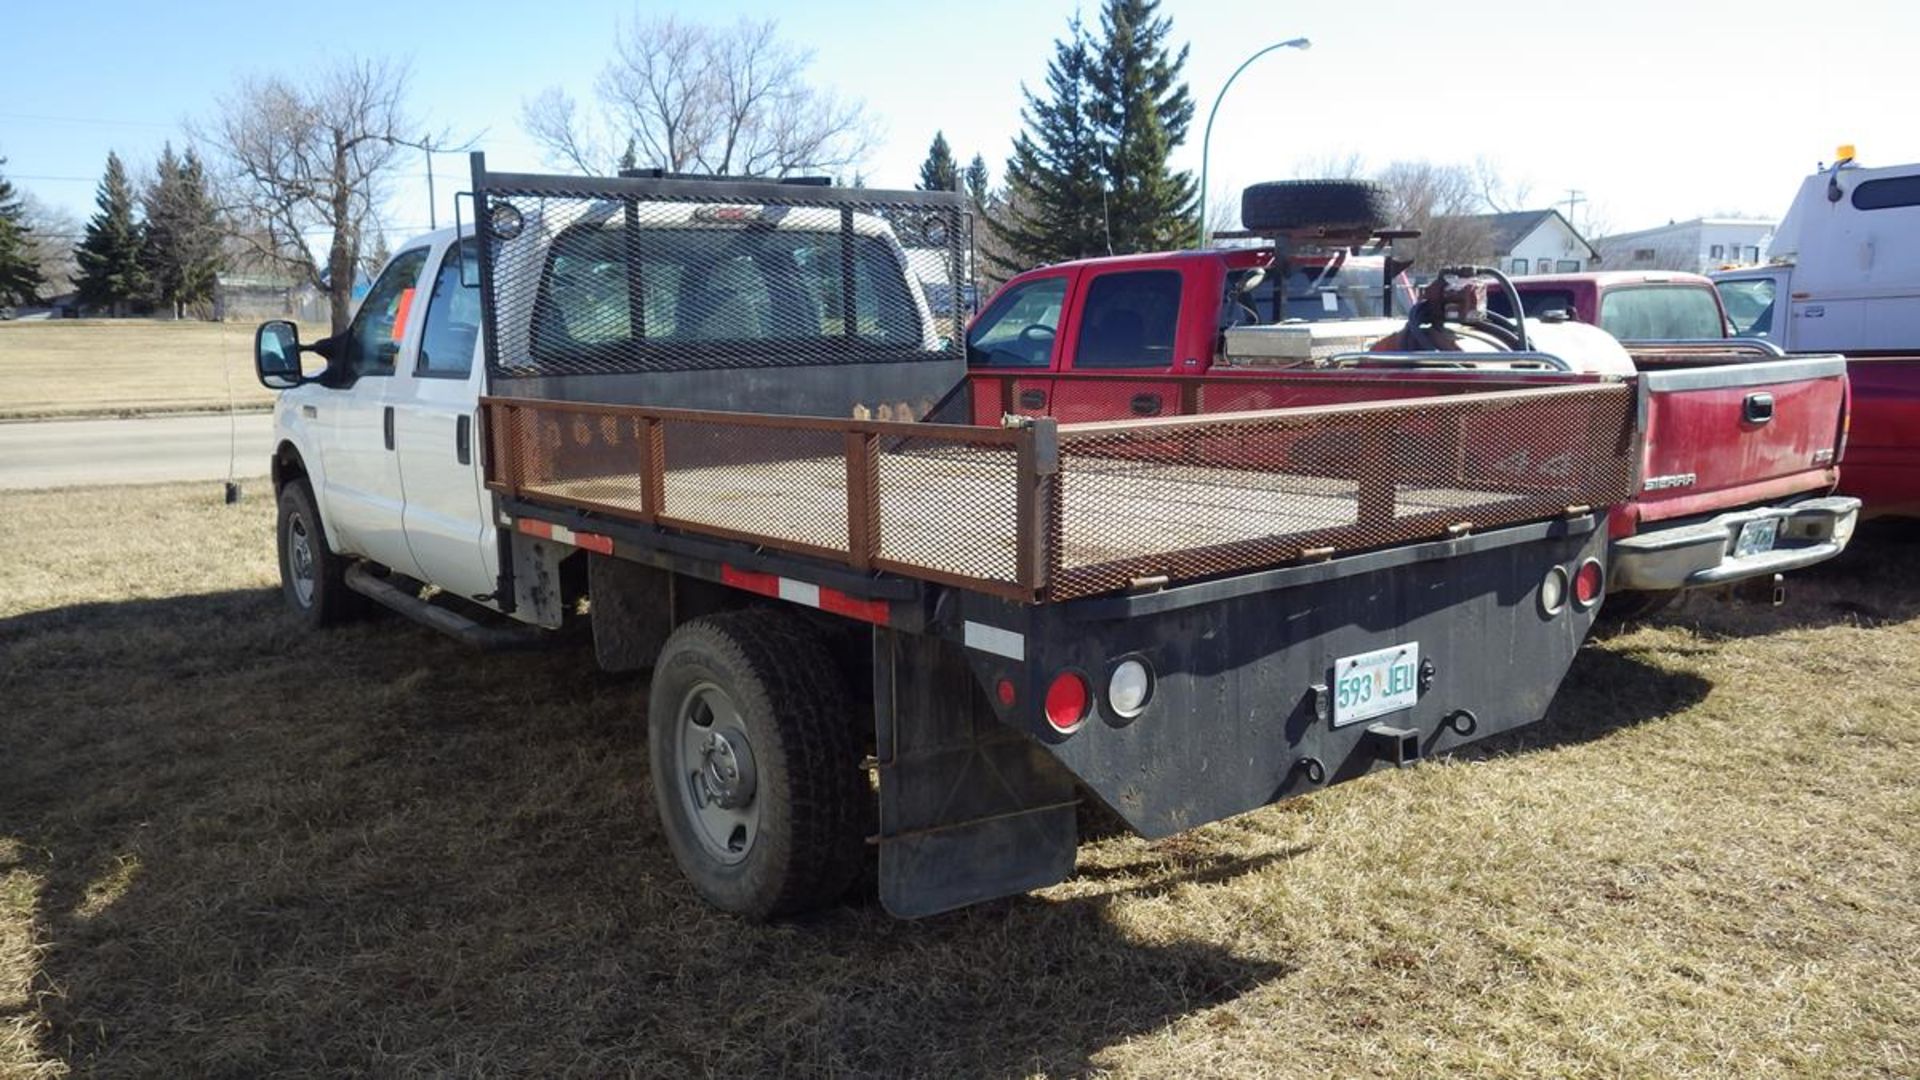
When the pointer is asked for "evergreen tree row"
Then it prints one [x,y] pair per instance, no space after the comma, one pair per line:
[1089,175]
[159,247]
[20,280]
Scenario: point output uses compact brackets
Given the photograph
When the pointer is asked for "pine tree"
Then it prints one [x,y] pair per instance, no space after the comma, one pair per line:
[976,182]
[20,280]
[1054,204]
[939,172]
[109,257]
[180,252]
[1140,111]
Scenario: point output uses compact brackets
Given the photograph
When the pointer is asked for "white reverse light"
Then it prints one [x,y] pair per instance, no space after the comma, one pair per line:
[1129,688]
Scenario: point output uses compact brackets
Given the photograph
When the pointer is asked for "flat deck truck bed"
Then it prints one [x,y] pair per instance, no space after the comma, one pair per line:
[925,638]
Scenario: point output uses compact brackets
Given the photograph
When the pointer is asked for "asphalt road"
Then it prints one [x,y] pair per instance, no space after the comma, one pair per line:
[67,453]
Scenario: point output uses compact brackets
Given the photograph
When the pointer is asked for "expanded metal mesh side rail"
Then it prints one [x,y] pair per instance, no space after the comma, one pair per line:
[1048,511]
[633,275]
[1204,495]
[932,501]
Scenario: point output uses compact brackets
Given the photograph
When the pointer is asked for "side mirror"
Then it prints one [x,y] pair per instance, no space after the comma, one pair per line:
[276,355]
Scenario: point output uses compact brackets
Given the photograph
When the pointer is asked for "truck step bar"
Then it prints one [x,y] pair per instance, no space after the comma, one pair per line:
[488,638]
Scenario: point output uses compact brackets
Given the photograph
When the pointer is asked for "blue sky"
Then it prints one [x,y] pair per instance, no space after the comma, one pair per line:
[1655,110]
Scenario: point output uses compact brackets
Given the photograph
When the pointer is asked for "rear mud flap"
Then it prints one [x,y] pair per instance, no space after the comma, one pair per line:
[970,809]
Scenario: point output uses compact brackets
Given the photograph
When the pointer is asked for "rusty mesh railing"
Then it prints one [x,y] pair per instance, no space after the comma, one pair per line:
[1047,510]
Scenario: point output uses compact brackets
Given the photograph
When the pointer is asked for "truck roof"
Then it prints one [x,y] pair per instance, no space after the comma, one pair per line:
[1610,278]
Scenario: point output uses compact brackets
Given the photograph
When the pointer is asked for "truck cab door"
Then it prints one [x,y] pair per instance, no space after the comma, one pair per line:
[1127,322]
[1757,305]
[437,435]
[1017,335]
[360,492]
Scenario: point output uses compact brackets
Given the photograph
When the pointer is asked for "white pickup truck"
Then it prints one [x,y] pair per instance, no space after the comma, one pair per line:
[718,420]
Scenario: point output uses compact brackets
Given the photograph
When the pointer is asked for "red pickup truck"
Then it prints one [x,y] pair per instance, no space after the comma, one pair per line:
[1632,305]
[1740,448]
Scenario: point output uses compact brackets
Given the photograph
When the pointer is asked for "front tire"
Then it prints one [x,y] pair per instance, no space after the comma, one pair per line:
[312,575]
[756,770]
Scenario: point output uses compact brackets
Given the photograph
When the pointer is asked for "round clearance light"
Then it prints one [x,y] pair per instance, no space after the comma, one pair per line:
[1588,582]
[1553,590]
[505,220]
[1067,701]
[1129,688]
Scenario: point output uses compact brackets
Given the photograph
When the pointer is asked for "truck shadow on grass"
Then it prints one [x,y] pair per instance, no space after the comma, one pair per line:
[255,850]
[247,850]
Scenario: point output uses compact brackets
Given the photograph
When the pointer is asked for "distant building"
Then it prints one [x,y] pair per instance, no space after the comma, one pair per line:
[1535,242]
[246,297]
[1698,245]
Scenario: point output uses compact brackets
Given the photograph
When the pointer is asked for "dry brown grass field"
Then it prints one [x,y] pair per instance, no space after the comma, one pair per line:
[114,367]
[230,848]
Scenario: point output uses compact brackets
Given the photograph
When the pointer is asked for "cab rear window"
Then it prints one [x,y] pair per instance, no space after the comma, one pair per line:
[1651,313]
[694,293]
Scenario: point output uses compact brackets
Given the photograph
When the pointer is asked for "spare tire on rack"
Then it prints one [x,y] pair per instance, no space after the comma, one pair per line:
[1330,205]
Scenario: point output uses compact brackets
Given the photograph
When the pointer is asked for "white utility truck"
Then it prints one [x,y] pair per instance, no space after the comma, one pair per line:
[717,420]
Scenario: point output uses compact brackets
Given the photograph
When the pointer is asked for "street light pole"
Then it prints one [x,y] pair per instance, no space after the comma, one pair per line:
[1206,140]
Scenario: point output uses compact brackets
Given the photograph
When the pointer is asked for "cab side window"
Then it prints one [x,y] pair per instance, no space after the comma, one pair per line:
[453,317]
[1017,329]
[1129,320]
[374,339]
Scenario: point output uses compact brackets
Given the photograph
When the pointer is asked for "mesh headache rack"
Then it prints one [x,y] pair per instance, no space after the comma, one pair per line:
[653,273]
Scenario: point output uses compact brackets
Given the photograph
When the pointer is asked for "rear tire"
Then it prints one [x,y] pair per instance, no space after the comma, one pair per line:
[312,575]
[1334,205]
[755,765]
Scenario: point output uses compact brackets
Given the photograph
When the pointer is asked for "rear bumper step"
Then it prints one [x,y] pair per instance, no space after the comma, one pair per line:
[1702,554]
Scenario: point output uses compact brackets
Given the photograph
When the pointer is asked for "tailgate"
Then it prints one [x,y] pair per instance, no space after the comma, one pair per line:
[1728,435]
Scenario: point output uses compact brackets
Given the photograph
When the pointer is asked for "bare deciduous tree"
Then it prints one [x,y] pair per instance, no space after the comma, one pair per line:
[697,99]
[52,234]
[300,160]
[1440,201]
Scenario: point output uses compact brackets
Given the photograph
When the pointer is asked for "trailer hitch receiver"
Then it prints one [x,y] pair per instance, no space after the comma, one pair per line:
[1397,746]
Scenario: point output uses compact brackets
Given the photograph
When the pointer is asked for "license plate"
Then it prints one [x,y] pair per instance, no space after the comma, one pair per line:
[1375,683]
[1756,537]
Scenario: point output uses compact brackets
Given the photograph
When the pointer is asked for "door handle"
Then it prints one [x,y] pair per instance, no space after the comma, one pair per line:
[389,427]
[309,412]
[463,440]
[1758,408]
[1146,404]
[1033,399]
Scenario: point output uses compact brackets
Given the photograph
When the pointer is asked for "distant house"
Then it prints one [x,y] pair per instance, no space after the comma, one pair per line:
[1698,245]
[1535,242]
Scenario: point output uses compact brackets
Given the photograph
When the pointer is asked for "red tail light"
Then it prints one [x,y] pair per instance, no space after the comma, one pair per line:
[1588,582]
[1067,701]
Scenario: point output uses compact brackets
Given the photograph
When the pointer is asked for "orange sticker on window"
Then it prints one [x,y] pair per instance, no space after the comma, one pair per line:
[400,314]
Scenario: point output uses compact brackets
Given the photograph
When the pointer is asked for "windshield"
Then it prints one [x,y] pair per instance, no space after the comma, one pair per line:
[1749,306]
[1351,290]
